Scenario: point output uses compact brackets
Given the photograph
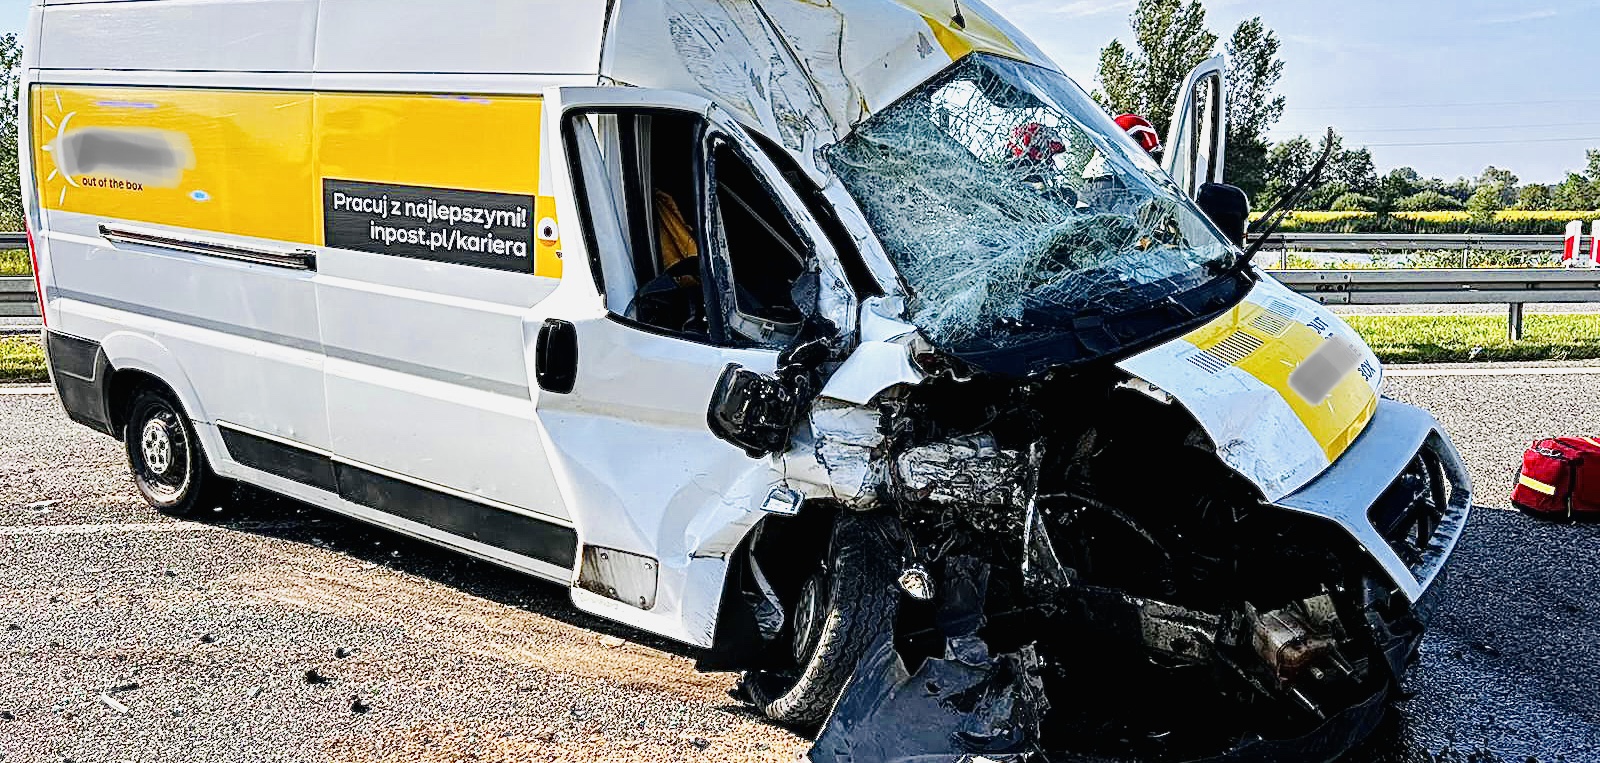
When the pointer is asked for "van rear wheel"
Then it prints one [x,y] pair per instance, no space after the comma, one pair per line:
[841,610]
[164,453]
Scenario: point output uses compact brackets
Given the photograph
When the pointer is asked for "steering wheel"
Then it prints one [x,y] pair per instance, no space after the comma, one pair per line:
[673,300]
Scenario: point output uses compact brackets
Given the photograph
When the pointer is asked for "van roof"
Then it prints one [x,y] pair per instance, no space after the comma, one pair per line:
[802,72]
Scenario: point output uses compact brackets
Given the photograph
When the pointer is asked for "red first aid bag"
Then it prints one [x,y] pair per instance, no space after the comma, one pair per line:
[1560,476]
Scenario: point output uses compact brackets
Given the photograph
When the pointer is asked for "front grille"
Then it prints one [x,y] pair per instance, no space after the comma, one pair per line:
[1410,512]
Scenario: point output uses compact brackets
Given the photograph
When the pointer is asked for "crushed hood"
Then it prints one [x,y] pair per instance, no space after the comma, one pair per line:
[802,72]
[1282,386]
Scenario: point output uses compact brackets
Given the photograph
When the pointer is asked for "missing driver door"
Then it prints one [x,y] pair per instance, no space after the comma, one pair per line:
[1197,139]
[682,246]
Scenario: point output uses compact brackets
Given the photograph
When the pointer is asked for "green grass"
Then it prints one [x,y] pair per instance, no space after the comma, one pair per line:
[1463,338]
[21,360]
[15,263]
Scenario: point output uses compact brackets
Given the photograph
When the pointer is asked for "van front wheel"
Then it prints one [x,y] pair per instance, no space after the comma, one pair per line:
[166,458]
[841,610]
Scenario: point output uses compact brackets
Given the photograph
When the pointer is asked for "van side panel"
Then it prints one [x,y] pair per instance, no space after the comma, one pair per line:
[237,162]
[426,371]
[226,165]
[461,37]
[172,35]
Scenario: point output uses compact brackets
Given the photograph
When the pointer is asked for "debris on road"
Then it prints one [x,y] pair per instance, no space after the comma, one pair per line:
[109,701]
[358,705]
[343,652]
[611,642]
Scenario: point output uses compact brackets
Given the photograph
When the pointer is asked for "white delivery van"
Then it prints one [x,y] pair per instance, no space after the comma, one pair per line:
[833,337]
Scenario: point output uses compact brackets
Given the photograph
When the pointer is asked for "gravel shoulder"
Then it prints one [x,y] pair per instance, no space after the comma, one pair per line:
[218,624]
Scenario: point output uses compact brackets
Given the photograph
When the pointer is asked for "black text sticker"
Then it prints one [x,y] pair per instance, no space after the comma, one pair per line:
[478,228]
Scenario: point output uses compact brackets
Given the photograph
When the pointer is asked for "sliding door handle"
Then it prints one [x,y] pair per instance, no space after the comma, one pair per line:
[210,246]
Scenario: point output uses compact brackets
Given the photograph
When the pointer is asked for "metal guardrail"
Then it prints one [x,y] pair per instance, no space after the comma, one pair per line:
[1422,242]
[17,296]
[18,299]
[1515,287]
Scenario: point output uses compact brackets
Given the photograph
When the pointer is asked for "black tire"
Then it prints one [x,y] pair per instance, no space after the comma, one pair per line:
[861,601]
[167,460]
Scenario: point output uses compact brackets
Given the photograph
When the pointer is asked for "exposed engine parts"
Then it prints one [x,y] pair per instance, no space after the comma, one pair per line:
[1084,576]
[967,472]
[1081,575]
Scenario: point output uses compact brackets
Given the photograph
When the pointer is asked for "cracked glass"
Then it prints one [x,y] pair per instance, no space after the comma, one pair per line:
[1013,206]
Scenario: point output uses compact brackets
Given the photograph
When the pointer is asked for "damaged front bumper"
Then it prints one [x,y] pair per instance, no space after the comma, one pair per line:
[1368,480]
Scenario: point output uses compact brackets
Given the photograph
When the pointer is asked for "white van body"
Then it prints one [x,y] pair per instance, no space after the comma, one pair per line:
[355,238]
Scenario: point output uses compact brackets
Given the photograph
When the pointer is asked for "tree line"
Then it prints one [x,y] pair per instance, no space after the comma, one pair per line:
[1171,38]
[10,176]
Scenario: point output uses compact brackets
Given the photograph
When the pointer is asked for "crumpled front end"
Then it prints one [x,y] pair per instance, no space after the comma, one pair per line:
[1087,578]
[1114,590]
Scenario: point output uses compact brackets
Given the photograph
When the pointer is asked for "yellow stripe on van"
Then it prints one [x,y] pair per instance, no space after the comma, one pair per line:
[1336,422]
[249,155]
[979,34]
[251,162]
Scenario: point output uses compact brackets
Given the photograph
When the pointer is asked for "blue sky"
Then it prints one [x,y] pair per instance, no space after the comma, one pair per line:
[1513,83]
[1506,83]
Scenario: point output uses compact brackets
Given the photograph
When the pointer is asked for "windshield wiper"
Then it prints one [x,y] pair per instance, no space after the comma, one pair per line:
[1280,211]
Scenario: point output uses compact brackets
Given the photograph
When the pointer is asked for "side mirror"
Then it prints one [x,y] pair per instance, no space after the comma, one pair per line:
[752,410]
[1228,207]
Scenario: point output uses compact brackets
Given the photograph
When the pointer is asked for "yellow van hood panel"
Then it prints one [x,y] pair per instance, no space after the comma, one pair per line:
[1234,376]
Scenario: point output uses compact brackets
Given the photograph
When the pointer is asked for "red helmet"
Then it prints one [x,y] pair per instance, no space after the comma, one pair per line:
[1142,132]
[1036,142]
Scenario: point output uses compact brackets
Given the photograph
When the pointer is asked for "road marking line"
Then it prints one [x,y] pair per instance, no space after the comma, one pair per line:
[141,527]
[1403,373]
[27,390]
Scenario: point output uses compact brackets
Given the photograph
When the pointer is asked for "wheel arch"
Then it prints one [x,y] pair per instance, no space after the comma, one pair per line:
[137,359]
[777,544]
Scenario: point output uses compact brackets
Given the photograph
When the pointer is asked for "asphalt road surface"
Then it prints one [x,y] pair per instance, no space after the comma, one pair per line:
[274,632]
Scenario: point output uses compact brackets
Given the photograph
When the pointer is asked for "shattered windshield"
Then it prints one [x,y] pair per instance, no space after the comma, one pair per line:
[1012,206]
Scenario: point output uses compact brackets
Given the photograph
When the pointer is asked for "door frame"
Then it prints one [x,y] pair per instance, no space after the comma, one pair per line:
[676,525]
[1193,136]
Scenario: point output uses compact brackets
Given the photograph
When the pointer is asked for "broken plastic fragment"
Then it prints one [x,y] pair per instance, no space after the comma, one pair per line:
[952,709]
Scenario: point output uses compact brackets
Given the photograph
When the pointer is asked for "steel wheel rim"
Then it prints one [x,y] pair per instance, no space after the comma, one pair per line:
[164,463]
[807,617]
